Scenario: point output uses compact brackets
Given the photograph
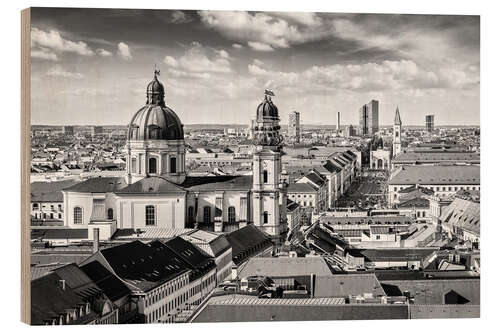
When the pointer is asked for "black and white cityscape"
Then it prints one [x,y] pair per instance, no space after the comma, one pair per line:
[232,166]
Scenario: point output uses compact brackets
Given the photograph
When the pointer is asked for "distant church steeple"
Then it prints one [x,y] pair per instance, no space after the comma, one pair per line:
[396,142]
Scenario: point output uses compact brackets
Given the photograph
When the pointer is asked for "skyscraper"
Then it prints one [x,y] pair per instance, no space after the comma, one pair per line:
[294,125]
[368,118]
[429,123]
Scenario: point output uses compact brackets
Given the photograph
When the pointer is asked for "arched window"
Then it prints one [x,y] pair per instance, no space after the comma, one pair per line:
[150,215]
[397,134]
[191,214]
[110,213]
[266,218]
[78,215]
[173,164]
[207,214]
[152,165]
[264,176]
[231,214]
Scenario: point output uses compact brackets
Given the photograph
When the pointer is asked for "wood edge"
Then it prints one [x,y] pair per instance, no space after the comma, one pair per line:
[25,160]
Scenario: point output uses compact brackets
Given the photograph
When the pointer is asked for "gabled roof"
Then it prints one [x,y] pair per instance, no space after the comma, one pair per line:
[198,261]
[112,286]
[152,185]
[49,191]
[144,266]
[301,188]
[436,174]
[414,202]
[464,214]
[50,298]
[215,183]
[331,167]
[98,185]
[247,241]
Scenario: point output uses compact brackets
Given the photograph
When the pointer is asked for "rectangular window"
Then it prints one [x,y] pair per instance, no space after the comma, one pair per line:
[150,215]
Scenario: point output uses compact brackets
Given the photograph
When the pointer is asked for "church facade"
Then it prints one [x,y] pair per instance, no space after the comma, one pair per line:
[158,193]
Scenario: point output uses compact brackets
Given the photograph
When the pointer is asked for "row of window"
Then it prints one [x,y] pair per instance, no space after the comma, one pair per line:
[41,206]
[153,165]
[78,214]
[445,188]
[45,216]
[207,214]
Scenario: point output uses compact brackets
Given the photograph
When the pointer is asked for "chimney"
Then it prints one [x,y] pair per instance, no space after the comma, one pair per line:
[234,272]
[96,241]
[313,283]
[63,284]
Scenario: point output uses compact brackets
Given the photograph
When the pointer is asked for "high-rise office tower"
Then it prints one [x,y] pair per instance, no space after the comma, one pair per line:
[429,123]
[368,118]
[338,121]
[294,125]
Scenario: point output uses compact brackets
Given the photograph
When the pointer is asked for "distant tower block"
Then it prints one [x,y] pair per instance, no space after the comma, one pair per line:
[368,118]
[294,126]
[429,123]
[68,130]
[338,121]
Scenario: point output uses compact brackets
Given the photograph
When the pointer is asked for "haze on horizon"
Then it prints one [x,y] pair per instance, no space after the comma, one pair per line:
[91,66]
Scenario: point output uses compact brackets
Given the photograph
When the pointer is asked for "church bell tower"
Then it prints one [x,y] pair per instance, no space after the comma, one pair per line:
[396,141]
[268,191]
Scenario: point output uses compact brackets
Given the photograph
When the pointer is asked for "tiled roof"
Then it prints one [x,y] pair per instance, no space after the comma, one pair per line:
[301,188]
[414,202]
[392,254]
[59,233]
[150,185]
[49,299]
[144,266]
[199,262]
[49,191]
[215,183]
[464,214]
[247,241]
[244,309]
[149,233]
[354,220]
[98,185]
[436,174]
[440,156]
[112,286]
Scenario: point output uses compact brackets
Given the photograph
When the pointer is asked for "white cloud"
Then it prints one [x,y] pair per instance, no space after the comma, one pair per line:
[257,46]
[258,62]
[43,53]
[200,59]
[58,71]
[237,46]
[170,61]
[403,75]
[54,41]
[124,51]
[179,17]
[266,30]
[103,53]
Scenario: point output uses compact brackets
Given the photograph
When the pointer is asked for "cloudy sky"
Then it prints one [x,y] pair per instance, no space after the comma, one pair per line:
[92,66]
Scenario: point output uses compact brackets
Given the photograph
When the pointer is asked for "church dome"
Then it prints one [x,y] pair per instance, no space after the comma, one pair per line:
[155,121]
[267,109]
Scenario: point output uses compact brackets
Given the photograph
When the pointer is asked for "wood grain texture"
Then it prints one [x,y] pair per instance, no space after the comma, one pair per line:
[25,162]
